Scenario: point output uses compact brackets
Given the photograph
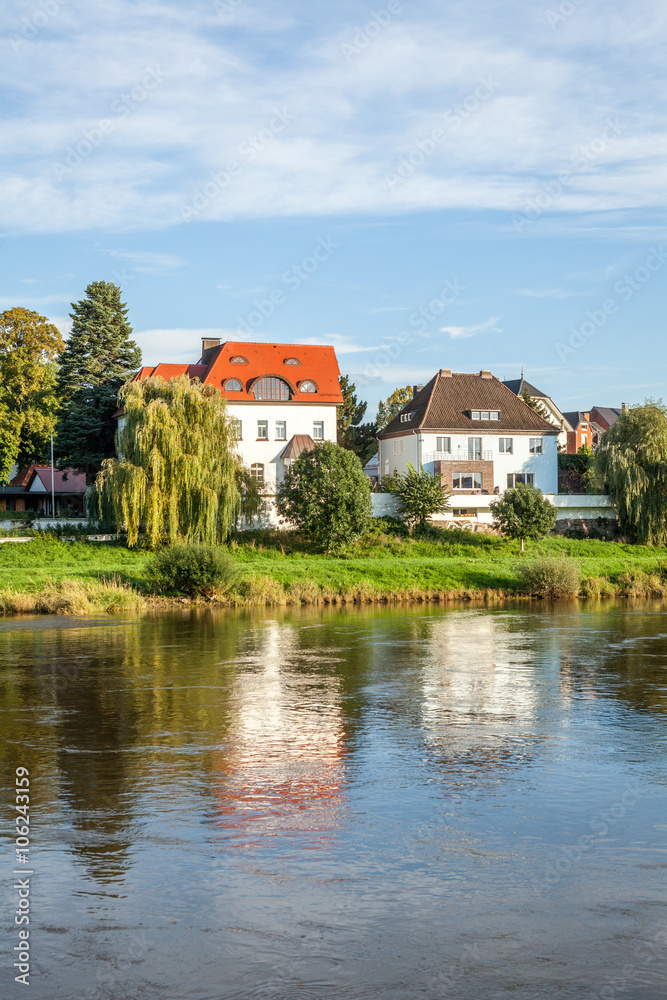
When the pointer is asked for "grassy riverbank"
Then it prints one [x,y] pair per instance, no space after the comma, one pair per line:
[47,575]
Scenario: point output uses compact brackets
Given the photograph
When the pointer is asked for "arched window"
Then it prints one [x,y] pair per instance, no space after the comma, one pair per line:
[270,388]
[291,361]
[238,359]
[233,385]
[307,386]
[257,472]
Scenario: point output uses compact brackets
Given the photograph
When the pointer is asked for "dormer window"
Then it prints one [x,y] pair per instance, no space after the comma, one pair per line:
[291,361]
[233,385]
[307,386]
[407,417]
[238,359]
[270,387]
[485,414]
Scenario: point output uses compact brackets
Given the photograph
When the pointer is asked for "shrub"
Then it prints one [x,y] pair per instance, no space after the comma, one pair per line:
[551,577]
[327,496]
[195,570]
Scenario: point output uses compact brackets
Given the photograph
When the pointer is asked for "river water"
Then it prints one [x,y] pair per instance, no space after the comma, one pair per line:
[394,803]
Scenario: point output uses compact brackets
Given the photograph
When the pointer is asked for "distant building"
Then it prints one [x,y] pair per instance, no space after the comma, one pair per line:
[473,431]
[519,386]
[282,398]
[30,489]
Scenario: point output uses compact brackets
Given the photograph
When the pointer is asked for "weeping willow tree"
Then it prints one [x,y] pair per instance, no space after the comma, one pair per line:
[632,462]
[177,475]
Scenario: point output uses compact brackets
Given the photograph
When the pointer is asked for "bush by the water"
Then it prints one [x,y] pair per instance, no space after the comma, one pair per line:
[551,577]
[195,570]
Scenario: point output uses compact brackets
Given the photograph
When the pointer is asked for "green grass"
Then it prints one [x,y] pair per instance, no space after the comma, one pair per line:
[279,568]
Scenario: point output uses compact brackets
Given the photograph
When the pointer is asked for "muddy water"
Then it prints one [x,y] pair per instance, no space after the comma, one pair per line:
[341,804]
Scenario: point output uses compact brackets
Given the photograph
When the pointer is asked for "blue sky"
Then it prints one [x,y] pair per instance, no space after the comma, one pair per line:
[429,184]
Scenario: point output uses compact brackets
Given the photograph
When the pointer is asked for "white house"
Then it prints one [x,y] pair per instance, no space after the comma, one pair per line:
[475,433]
[282,398]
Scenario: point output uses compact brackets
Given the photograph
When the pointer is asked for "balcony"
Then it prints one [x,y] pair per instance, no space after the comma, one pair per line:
[460,455]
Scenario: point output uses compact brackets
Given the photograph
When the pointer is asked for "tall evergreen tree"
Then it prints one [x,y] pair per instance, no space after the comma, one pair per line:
[98,359]
[352,434]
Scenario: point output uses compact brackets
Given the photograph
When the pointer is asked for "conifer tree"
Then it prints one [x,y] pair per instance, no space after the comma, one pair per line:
[98,359]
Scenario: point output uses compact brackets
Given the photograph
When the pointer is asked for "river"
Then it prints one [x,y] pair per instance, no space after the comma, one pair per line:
[337,803]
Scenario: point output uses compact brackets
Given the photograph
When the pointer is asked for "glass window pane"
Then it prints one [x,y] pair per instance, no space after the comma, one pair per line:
[281,430]
[262,428]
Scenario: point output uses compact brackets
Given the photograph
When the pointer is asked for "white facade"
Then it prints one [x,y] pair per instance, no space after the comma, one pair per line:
[280,421]
[267,427]
[427,447]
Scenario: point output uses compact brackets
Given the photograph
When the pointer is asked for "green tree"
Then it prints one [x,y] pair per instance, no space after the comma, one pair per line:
[420,493]
[98,360]
[177,472]
[523,512]
[326,495]
[29,346]
[632,461]
[352,434]
[535,404]
[393,405]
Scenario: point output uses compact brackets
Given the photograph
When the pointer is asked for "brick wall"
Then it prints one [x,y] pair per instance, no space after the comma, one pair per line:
[447,469]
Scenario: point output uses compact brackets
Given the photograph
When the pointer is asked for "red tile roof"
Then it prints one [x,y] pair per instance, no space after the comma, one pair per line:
[316,364]
[75,482]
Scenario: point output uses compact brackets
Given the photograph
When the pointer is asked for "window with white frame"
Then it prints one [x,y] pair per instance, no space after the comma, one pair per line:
[505,446]
[237,429]
[318,430]
[257,472]
[398,446]
[485,414]
[281,430]
[467,481]
[262,430]
[536,446]
[474,449]
[443,445]
[407,417]
[514,478]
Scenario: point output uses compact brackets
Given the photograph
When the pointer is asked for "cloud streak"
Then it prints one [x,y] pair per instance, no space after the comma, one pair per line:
[463,332]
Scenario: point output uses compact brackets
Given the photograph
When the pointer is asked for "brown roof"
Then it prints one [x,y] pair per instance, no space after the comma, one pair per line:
[297,444]
[445,404]
[65,480]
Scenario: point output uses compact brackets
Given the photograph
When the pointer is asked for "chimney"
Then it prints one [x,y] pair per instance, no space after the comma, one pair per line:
[208,345]
[416,389]
[624,407]
[485,374]
[445,373]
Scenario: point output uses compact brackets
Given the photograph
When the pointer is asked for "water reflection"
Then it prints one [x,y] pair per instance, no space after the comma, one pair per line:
[342,802]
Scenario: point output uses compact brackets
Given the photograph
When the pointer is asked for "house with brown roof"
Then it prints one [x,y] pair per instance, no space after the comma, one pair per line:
[474,432]
[282,397]
[544,405]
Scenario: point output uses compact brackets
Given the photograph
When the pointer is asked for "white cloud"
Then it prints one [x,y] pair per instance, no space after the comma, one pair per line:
[462,332]
[144,262]
[354,120]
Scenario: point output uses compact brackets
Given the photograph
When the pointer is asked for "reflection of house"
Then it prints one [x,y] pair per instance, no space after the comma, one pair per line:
[282,767]
[545,406]
[475,433]
[282,397]
[30,489]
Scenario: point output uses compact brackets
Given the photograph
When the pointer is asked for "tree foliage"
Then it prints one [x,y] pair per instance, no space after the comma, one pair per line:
[326,495]
[535,404]
[177,474]
[98,360]
[393,405]
[523,512]
[352,434]
[421,494]
[632,461]
[29,347]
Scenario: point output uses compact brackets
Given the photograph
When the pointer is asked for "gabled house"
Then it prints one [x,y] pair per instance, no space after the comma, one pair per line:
[605,416]
[30,489]
[474,432]
[545,405]
[282,398]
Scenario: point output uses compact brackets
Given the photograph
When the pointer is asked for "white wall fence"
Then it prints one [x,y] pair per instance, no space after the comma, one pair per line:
[476,506]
